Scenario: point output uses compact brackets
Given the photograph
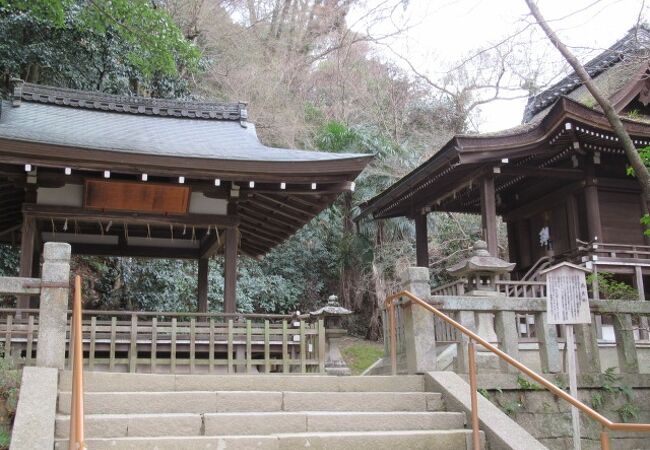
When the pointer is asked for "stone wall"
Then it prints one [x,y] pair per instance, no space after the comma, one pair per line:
[548,418]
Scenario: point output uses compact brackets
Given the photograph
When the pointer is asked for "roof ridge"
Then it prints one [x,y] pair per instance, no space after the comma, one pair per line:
[97,100]
[595,66]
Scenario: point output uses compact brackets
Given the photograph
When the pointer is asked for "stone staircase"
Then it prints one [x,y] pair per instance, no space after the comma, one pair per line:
[242,412]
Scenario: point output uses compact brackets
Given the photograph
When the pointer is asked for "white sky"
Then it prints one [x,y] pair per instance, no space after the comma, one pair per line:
[442,31]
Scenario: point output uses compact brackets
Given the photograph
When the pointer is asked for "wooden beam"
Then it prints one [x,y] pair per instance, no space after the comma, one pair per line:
[278,222]
[421,241]
[230,272]
[534,172]
[211,244]
[134,251]
[288,204]
[27,240]
[9,229]
[202,274]
[277,210]
[257,250]
[255,233]
[489,214]
[81,215]
[262,221]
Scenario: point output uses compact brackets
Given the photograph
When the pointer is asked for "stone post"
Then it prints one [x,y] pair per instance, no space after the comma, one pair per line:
[587,348]
[53,318]
[419,332]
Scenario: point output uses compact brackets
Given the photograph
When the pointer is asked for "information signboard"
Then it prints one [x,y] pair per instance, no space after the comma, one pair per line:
[567,301]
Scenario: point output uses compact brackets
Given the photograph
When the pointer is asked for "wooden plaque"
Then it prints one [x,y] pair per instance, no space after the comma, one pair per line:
[136,197]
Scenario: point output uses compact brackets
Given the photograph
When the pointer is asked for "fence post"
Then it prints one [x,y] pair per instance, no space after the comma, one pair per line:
[628,361]
[53,319]
[468,320]
[419,332]
[587,347]
[508,336]
[549,352]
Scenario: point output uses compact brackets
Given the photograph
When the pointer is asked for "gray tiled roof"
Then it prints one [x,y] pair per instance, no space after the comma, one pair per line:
[635,41]
[142,134]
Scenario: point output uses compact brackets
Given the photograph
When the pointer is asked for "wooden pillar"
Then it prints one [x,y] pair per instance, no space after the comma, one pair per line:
[489,214]
[202,274]
[27,240]
[230,271]
[572,221]
[594,226]
[421,241]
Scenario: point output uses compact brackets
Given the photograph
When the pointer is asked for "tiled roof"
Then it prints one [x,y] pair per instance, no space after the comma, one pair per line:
[90,120]
[637,39]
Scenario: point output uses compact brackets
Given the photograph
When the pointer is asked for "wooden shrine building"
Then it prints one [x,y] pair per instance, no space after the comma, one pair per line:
[131,176]
[558,181]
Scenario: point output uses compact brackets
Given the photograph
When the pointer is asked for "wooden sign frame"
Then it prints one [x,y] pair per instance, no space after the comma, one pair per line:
[133,196]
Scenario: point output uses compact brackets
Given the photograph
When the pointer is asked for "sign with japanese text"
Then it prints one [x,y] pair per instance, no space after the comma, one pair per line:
[567,301]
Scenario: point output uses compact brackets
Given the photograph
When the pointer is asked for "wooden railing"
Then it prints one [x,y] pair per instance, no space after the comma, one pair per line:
[472,338]
[528,289]
[77,441]
[615,251]
[456,287]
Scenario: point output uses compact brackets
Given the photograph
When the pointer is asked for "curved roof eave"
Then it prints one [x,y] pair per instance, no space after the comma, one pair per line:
[494,146]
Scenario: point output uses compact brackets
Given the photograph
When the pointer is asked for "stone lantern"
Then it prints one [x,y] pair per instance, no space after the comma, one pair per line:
[482,270]
[332,314]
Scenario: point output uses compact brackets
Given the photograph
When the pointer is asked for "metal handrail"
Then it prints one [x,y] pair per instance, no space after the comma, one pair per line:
[604,421]
[76,439]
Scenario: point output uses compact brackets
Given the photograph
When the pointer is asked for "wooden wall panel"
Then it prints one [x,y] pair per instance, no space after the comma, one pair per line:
[133,196]
[619,214]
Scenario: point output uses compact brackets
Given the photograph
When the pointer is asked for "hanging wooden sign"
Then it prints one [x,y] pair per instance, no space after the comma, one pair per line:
[116,195]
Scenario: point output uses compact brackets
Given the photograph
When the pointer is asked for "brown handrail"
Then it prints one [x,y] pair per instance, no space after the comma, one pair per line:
[604,421]
[76,439]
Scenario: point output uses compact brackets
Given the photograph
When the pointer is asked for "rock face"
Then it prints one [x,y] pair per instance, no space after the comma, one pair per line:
[142,411]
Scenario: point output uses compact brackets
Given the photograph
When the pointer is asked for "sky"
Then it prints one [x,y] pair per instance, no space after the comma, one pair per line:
[440,32]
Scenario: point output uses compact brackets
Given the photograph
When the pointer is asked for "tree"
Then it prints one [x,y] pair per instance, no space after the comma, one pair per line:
[119,45]
[636,161]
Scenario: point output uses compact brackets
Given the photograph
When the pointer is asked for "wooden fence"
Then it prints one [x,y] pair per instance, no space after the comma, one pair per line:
[179,342]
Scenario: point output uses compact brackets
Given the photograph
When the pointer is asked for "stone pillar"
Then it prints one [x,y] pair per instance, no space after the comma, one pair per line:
[587,347]
[53,318]
[419,333]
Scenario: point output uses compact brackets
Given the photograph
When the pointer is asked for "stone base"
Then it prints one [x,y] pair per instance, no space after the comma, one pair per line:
[338,371]
[487,362]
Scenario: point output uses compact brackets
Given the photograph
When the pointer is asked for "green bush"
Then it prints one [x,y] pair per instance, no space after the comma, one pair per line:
[611,289]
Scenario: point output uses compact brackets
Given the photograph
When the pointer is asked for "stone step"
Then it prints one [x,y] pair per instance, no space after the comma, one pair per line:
[221,424]
[244,401]
[142,382]
[403,440]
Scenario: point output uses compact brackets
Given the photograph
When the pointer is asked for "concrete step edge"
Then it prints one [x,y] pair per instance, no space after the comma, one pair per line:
[284,435]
